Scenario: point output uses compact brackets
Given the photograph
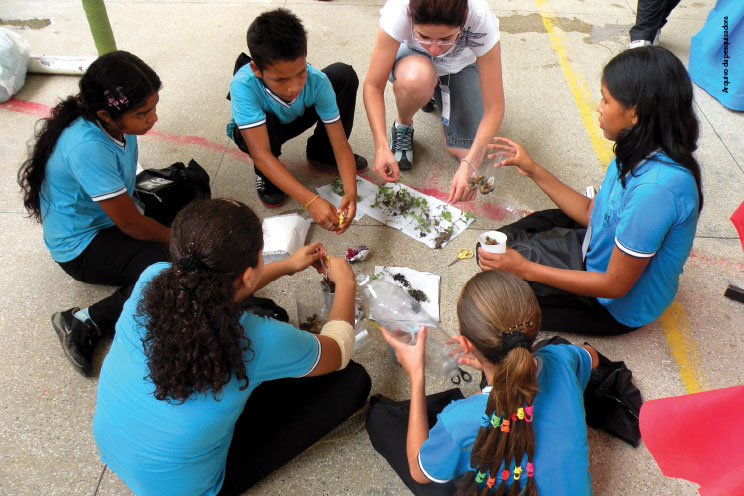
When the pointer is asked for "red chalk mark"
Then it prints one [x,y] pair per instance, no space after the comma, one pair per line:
[697,258]
[42,111]
[26,107]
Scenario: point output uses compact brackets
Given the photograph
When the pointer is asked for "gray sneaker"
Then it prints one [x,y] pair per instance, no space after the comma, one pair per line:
[401,144]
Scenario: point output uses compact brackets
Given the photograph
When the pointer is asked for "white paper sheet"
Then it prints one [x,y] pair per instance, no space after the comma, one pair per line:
[283,235]
[364,189]
[406,222]
[425,281]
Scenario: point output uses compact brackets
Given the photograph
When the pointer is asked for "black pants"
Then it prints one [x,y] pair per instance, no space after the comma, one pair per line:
[345,83]
[113,258]
[283,418]
[563,311]
[651,15]
[387,427]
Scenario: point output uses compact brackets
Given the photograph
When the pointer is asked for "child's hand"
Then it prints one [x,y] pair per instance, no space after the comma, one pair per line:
[459,190]
[511,261]
[339,272]
[518,157]
[410,357]
[307,256]
[324,214]
[347,207]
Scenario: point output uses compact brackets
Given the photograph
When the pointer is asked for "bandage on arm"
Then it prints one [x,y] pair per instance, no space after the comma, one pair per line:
[343,334]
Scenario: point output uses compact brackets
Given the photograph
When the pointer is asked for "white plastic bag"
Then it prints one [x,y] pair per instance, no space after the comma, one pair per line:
[14,54]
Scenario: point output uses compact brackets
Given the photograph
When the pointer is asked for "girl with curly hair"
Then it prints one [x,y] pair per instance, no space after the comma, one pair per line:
[78,183]
[181,406]
[524,433]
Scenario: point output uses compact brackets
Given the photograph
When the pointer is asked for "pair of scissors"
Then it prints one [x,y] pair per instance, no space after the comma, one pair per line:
[461,255]
[461,376]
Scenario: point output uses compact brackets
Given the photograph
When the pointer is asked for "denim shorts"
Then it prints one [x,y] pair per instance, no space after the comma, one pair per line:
[466,101]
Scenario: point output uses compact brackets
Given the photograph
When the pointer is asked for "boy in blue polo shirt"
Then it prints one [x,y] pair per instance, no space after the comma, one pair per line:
[275,96]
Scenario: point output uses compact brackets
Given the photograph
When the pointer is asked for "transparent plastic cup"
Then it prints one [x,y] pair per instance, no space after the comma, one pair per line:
[312,312]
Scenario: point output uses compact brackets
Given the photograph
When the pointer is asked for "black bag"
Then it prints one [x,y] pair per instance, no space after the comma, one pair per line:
[163,192]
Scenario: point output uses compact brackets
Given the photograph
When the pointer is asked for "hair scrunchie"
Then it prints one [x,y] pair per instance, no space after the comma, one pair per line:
[513,340]
[190,263]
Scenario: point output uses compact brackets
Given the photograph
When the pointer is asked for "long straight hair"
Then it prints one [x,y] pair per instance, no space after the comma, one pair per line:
[654,80]
[116,82]
[492,304]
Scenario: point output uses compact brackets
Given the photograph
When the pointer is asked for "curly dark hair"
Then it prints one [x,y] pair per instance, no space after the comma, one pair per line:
[194,342]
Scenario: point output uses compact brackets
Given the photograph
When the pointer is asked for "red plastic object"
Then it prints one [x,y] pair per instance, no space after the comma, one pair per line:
[699,437]
[737,218]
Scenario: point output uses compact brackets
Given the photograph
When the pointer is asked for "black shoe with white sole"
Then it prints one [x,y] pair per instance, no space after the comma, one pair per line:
[78,339]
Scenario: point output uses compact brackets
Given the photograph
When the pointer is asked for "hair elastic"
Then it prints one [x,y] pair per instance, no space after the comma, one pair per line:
[505,425]
[190,263]
[490,482]
[495,420]
[520,413]
[528,413]
[504,475]
[514,417]
[480,477]
[530,469]
[517,472]
[485,420]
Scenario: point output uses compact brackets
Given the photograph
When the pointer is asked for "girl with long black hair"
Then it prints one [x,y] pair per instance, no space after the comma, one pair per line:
[636,234]
[78,184]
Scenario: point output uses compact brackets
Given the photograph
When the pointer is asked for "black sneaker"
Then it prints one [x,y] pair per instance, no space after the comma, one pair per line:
[430,107]
[359,161]
[268,193]
[78,339]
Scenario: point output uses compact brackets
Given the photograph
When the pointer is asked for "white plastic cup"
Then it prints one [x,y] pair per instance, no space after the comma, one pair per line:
[498,236]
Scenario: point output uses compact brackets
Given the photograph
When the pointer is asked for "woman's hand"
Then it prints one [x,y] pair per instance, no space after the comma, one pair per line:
[347,207]
[518,157]
[511,261]
[410,357]
[459,190]
[386,166]
[305,257]
[324,214]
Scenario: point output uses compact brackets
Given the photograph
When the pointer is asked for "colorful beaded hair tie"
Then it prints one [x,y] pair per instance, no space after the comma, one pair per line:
[528,413]
[504,425]
[495,420]
[504,475]
[514,417]
[530,469]
[490,482]
[485,420]
[520,413]
[517,472]
[480,477]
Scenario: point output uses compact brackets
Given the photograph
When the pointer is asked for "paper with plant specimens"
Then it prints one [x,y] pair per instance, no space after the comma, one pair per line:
[422,217]
[334,191]
[422,286]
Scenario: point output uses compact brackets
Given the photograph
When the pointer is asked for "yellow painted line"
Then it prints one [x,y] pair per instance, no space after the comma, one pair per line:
[585,102]
[682,344]
[674,321]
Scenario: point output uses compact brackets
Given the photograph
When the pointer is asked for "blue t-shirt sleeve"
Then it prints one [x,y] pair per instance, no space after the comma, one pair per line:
[438,456]
[245,102]
[580,361]
[325,100]
[279,349]
[645,220]
[95,167]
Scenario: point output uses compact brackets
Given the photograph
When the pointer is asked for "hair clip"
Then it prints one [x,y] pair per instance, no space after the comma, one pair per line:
[518,327]
[517,472]
[473,469]
[530,469]
[504,475]
[110,100]
[514,417]
[504,425]
[485,420]
[520,413]
[528,412]
[122,97]
[495,420]
[490,482]
[480,477]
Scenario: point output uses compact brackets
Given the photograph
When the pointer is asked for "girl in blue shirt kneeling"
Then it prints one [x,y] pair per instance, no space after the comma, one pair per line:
[525,433]
[78,183]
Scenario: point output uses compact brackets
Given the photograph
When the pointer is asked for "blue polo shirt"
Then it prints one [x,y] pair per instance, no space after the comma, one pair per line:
[654,216]
[87,165]
[561,451]
[251,100]
[160,447]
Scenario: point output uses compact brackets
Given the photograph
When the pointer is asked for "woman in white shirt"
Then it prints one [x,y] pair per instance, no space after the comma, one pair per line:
[435,52]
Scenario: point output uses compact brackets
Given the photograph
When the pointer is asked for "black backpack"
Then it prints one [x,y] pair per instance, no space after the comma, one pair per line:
[163,192]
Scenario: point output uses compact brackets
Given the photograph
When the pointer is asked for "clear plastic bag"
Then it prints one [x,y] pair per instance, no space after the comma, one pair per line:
[14,55]
[484,173]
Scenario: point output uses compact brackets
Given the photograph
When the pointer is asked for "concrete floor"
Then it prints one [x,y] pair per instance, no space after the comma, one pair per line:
[45,407]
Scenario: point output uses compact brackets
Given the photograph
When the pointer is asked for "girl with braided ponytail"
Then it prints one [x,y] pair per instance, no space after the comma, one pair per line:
[199,396]
[525,432]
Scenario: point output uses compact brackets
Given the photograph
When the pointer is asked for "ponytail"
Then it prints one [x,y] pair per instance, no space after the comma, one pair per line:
[116,83]
[499,314]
